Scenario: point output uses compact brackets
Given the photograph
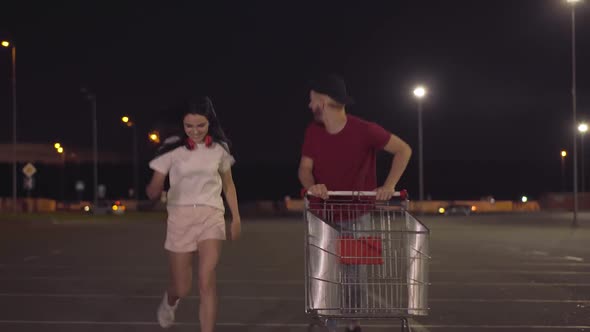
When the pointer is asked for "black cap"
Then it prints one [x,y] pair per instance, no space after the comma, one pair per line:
[333,86]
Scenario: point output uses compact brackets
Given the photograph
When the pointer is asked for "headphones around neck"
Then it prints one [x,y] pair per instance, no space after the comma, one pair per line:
[191,145]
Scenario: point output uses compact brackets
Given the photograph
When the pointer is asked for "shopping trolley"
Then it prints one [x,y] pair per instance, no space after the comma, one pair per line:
[364,259]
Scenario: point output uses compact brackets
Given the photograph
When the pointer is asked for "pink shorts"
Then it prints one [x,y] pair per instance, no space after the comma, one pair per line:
[190,224]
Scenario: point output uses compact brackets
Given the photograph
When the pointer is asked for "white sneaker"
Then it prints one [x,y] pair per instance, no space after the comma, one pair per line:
[166,312]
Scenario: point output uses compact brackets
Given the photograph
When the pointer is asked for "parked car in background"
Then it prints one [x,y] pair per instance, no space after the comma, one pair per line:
[105,207]
[457,209]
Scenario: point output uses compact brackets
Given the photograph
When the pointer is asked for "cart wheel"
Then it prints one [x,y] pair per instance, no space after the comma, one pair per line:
[317,328]
[316,325]
[405,325]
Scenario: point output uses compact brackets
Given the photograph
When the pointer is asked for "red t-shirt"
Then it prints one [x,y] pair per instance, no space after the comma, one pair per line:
[346,160]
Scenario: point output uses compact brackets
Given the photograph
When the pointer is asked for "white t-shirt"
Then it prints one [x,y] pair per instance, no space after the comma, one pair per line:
[195,175]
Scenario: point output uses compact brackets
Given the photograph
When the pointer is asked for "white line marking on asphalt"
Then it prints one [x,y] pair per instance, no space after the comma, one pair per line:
[574,258]
[534,272]
[221,270]
[539,253]
[295,325]
[514,284]
[561,263]
[283,282]
[112,295]
[30,258]
[93,278]
[269,298]
[128,267]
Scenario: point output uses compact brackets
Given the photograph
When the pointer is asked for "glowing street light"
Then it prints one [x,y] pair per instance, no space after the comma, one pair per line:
[420,92]
[154,136]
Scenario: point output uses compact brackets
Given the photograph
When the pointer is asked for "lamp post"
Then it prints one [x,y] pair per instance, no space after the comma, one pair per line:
[575,161]
[563,155]
[60,149]
[420,93]
[126,120]
[582,128]
[10,45]
[92,98]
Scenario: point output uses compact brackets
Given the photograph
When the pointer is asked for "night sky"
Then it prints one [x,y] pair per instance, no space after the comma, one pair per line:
[498,75]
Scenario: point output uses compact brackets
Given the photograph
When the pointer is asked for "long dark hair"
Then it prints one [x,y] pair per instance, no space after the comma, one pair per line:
[201,105]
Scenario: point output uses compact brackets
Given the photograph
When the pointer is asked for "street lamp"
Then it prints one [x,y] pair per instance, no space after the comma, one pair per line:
[582,128]
[563,155]
[92,98]
[7,44]
[154,136]
[420,93]
[60,149]
[575,161]
[126,120]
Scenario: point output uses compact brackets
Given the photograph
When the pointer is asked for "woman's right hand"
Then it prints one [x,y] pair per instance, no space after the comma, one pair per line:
[235,229]
[155,187]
